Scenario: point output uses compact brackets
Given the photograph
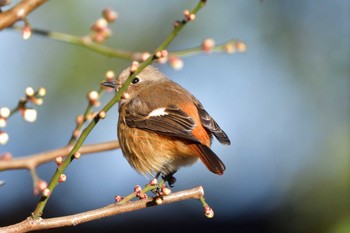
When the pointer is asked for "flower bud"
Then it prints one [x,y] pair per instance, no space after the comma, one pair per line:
[110,15]
[29,91]
[40,185]
[5,112]
[42,91]
[158,200]
[62,178]
[77,155]
[59,160]
[144,56]
[99,25]
[45,192]
[118,198]
[208,45]
[209,213]
[153,182]
[102,114]
[166,191]
[137,189]
[134,66]
[26,32]
[29,114]
[110,75]
[2,122]
[175,62]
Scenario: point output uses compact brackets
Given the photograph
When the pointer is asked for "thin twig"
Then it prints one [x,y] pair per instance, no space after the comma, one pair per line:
[18,12]
[32,161]
[237,45]
[31,224]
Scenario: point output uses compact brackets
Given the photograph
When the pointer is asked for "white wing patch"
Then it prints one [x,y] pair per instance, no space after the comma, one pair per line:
[158,112]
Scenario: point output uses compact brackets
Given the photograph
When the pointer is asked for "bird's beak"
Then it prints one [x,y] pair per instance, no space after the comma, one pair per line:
[112,84]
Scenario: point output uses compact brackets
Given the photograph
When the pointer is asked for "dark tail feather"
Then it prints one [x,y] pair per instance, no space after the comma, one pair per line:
[210,159]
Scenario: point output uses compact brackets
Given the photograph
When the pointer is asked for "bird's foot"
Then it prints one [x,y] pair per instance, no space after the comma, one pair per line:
[170,179]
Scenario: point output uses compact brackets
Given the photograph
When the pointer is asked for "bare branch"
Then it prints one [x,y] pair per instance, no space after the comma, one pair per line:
[113,209]
[32,161]
[20,11]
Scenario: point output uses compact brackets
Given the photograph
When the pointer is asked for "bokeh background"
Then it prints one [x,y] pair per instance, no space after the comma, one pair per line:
[284,103]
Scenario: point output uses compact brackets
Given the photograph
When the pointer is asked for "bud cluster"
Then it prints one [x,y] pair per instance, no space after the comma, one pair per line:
[161,56]
[235,46]
[161,192]
[100,31]
[29,114]
[189,16]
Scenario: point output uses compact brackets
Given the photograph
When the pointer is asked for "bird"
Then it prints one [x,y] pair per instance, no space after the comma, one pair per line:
[162,126]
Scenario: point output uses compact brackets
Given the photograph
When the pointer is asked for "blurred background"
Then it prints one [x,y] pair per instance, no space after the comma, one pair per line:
[284,104]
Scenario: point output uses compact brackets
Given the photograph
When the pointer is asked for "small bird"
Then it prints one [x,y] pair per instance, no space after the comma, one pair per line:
[162,126]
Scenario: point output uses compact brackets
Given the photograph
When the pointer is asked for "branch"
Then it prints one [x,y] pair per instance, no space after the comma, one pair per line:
[230,46]
[31,224]
[32,161]
[18,12]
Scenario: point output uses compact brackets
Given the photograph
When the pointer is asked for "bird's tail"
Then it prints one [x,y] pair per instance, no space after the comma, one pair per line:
[210,159]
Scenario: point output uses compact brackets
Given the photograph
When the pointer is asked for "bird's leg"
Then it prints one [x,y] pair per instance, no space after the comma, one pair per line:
[157,176]
[170,179]
[162,189]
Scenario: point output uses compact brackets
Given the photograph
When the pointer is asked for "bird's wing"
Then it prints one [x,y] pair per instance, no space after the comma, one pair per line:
[210,124]
[170,121]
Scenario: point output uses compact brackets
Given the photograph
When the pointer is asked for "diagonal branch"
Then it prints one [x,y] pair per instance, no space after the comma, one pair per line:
[18,12]
[31,224]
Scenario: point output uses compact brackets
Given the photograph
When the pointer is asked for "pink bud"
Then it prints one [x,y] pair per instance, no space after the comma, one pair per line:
[79,120]
[62,178]
[144,56]
[2,122]
[6,156]
[110,15]
[134,66]
[26,32]
[77,155]
[59,160]
[208,45]
[110,75]
[102,114]
[5,112]
[175,62]
[4,137]
[46,192]
[166,191]
[99,25]
[29,114]
[153,182]
[118,198]
[40,185]
[209,213]
[137,189]
[158,200]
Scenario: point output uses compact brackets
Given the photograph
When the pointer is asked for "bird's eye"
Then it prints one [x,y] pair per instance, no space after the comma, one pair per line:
[135,80]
